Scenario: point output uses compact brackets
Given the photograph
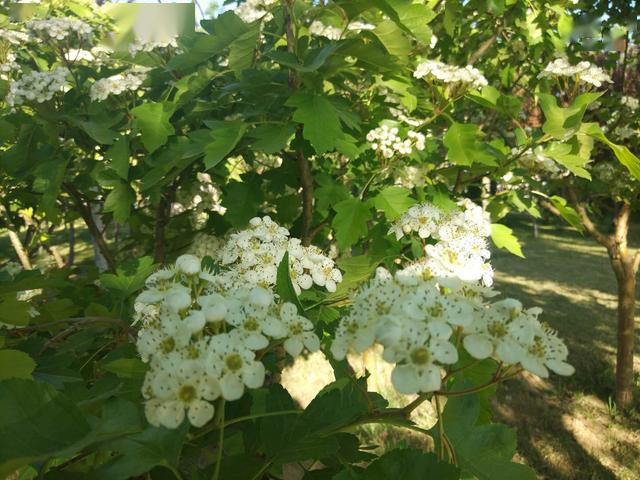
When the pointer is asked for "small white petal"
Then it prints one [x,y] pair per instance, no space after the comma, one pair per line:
[405,379]
[200,412]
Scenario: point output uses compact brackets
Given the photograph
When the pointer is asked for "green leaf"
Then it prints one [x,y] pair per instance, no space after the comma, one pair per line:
[271,138]
[241,50]
[127,367]
[406,464]
[484,451]
[562,123]
[284,286]
[350,222]
[393,39]
[226,135]
[463,147]
[242,200]
[503,237]
[622,153]
[118,156]
[13,311]
[320,119]
[36,422]
[119,201]
[314,59]
[152,120]
[129,277]
[393,201]
[561,153]
[98,131]
[15,364]
[567,212]
[142,451]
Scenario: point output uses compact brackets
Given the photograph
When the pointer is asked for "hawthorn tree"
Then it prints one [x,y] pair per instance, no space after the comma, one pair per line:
[294,177]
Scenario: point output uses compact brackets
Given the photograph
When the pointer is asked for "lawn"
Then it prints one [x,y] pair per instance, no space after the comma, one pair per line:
[569,428]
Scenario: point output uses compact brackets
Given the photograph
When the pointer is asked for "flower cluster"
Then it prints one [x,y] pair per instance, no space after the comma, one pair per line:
[38,86]
[320,29]
[450,73]
[253,255]
[253,10]
[461,248]
[631,103]
[127,81]
[202,197]
[200,341]
[386,140]
[8,65]
[14,37]
[414,318]
[149,46]
[60,28]
[584,71]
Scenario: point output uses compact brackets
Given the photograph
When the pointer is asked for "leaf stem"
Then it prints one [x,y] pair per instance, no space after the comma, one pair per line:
[216,470]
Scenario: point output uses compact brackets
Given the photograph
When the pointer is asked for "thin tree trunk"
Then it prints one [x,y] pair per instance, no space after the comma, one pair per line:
[626,335]
[21,253]
[72,246]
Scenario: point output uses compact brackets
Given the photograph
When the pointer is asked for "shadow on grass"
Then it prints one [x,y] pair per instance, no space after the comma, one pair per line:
[560,435]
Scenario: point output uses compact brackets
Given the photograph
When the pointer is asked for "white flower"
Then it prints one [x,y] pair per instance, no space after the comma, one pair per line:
[37,86]
[253,10]
[234,365]
[127,81]
[299,331]
[451,74]
[417,362]
[631,103]
[546,350]
[386,140]
[584,71]
[185,388]
[141,45]
[60,28]
[320,29]
[14,37]
[188,264]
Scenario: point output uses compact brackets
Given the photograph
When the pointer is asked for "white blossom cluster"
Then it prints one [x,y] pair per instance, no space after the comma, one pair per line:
[8,65]
[461,248]
[14,37]
[37,86]
[419,321]
[402,115]
[201,341]
[412,176]
[387,141]
[128,81]
[584,71]
[202,197]
[631,103]
[98,55]
[624,132]
[321,30]
[254,254]
[149,45]
[253,10]
[451,74]
[60,28]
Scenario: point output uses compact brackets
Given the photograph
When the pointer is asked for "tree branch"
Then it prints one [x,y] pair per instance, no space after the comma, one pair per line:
[589,226]
[162,218]
[304,168]
[85,213]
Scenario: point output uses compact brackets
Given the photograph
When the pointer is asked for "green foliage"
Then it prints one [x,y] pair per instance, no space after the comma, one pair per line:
[246,119]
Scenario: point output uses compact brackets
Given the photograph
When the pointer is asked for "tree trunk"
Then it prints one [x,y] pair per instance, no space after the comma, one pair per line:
[626,277]
[21,253]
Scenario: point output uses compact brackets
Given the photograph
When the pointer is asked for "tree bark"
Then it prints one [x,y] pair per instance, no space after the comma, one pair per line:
[21,253]
[626,277]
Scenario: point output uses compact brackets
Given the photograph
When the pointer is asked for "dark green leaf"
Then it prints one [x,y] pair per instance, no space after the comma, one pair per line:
[350,222]
[152,120]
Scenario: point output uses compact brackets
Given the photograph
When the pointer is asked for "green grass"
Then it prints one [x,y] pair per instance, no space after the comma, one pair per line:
[569,428]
